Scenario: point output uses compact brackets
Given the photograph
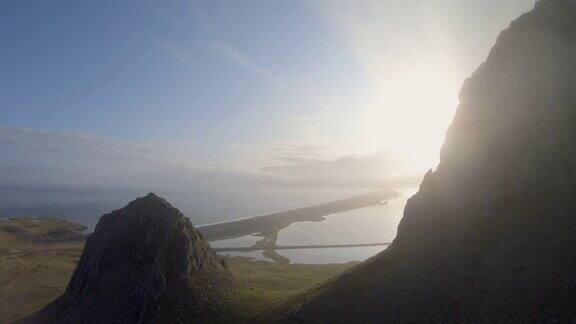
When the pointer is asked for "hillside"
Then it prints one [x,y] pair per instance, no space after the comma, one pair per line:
[37,257]
[34,271]
[489,236]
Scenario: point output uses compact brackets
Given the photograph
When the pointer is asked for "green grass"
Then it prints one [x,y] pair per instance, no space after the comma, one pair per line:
[34,267]
[263,285]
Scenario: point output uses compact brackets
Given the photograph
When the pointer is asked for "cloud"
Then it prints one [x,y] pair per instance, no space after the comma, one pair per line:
[235,57]
[231,55]
[44,159]
[34,159]
[295,152]
[380,170]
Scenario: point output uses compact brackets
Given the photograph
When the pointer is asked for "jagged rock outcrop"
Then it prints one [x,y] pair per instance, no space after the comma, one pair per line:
[144,263]
[489,237]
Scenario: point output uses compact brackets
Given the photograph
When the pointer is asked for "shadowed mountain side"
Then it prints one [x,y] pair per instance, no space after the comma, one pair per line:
[490,235]
[144,263]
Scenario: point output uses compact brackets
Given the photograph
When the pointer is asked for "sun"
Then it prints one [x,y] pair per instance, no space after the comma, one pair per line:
[409,115]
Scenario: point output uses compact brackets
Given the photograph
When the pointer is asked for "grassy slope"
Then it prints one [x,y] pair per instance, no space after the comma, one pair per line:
[265,285]
[37,259]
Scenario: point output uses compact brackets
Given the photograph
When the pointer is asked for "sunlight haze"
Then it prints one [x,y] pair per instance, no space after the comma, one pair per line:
[255,94]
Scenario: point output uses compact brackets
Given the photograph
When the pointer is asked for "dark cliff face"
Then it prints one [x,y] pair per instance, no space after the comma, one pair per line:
[144,263]
[490,235]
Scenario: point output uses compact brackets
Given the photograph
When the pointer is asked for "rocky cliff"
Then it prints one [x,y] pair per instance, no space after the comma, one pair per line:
[489,237]
[144,263]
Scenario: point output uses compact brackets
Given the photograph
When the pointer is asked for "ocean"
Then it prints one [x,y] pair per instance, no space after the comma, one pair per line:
[366,225]
[375,224]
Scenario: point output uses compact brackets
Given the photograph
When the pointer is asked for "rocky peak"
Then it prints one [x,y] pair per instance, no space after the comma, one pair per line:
[143,263]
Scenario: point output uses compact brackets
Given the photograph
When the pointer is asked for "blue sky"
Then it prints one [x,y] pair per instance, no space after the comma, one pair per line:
[180,93]
[149,70]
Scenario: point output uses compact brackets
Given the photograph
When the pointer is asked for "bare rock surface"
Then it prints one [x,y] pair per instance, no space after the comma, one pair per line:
[144,263]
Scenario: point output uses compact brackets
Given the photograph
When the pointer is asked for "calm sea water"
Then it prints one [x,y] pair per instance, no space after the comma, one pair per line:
[201,206]
[375,224]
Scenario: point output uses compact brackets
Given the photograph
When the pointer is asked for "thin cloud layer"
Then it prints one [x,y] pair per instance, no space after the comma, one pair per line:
[236,58]
[47,160]
[373,171]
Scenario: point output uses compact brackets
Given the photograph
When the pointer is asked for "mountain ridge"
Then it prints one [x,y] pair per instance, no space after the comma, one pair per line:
[488,237]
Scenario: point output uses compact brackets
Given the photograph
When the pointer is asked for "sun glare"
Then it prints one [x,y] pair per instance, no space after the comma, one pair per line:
[410,114]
